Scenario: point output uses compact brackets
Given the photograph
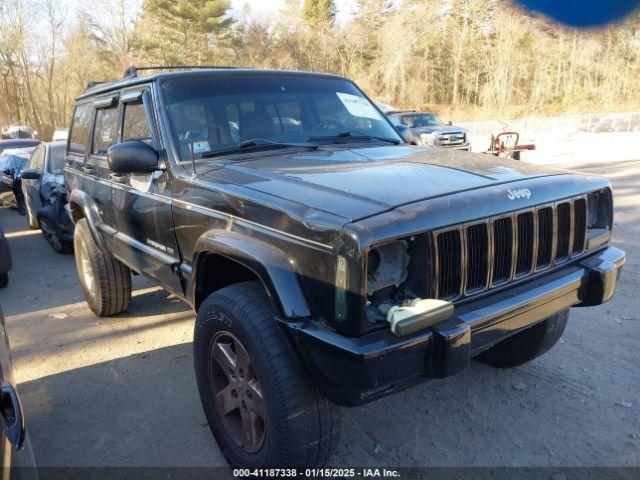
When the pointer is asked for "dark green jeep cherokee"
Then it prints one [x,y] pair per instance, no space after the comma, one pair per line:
[329,262]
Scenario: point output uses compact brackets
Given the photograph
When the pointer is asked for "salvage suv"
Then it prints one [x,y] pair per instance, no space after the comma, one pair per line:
[329,262]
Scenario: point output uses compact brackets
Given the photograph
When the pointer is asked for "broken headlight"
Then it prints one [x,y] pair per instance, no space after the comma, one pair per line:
[599,218]
[599,209]
[387,266]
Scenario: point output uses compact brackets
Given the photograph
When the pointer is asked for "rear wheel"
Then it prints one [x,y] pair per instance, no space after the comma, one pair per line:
[52,237]
[526,345]
[105,280]
[261,407]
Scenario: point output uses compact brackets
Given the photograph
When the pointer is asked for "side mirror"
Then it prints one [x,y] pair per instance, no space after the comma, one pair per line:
[30,174]
[134,156]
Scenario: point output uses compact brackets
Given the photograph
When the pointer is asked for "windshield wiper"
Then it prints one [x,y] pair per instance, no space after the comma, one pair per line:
[347,135]
[257,144]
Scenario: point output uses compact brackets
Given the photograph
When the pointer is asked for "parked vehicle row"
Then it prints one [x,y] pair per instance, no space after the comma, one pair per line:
[33,172]
[16,454]
[610,123]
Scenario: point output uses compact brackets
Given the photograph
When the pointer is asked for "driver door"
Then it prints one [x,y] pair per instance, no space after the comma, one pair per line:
[142,202]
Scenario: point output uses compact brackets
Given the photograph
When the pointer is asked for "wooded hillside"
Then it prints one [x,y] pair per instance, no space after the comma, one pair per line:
[462,58]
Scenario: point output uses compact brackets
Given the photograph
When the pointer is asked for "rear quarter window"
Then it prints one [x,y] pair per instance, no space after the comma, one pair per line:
[79,135]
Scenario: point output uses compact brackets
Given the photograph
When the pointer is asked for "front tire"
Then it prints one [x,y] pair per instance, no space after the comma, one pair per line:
[106,282]
[526,345]
[261,407]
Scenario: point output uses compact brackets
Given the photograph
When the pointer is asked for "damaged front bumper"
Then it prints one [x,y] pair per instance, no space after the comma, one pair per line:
[353,371]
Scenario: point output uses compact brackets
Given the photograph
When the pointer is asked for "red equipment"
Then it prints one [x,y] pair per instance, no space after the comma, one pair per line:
[506,144]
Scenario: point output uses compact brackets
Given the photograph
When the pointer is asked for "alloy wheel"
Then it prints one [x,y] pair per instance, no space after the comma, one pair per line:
[86,270]
[237,391]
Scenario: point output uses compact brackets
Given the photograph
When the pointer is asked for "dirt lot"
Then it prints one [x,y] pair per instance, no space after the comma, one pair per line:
[121,391]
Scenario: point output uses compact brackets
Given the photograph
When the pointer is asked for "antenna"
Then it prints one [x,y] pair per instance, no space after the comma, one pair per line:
[193,154]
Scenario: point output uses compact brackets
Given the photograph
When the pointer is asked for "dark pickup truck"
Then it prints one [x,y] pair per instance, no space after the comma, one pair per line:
[329,262]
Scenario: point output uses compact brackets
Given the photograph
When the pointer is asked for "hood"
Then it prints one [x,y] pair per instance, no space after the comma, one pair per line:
[360,182]
[438,129]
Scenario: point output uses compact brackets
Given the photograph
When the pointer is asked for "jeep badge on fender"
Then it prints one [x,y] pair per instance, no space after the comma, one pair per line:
[289,213]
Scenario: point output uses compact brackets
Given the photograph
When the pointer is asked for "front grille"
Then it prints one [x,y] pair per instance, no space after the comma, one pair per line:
[477,255]
[449,263]
[545,237]
[502,249]
[472,258]
[452,139]
[579,224]
[525,241]
[563,220]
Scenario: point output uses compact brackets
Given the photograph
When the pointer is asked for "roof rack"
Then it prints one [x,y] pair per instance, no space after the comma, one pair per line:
[132,72]
[92,84]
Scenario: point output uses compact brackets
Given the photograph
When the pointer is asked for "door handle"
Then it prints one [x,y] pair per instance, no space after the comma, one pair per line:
[12,415]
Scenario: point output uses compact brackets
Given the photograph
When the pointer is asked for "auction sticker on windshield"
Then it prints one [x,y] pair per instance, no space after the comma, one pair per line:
[358,106]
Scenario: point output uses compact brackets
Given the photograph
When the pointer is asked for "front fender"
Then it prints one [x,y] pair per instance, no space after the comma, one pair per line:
[271,265]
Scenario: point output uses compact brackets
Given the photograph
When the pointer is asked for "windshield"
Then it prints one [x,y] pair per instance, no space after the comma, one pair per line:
[420,120]
[56,159]
[211,114]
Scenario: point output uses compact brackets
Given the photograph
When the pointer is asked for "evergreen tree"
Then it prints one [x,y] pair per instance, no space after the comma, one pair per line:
[319,13]
[181,31]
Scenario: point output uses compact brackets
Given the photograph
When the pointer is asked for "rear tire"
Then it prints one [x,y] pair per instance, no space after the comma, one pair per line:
[106,282]
[526,345]
[52,236]
[298,427]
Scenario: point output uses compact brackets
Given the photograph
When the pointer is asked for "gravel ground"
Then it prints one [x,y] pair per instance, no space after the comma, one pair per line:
[121,391]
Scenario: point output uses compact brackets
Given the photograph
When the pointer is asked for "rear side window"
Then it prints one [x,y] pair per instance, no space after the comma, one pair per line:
[104,133]
[136,125]
[79,136]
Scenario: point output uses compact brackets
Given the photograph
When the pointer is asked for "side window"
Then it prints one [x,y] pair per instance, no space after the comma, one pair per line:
[79,135]
[135,125]
[105,131]
[37,159]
